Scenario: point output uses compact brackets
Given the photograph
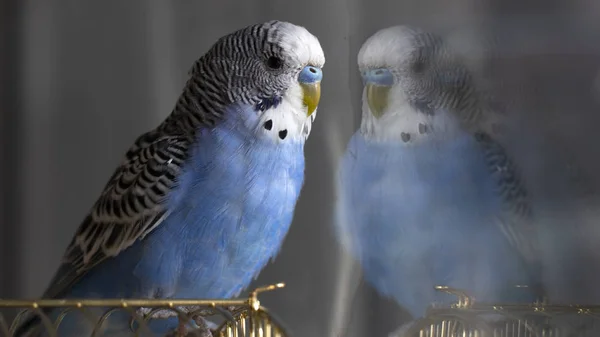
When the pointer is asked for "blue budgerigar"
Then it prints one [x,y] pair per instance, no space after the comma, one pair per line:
[426,194]
[202,203]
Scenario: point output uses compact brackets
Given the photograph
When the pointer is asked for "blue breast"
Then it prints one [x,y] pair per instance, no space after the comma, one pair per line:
[230,213]
[422,215]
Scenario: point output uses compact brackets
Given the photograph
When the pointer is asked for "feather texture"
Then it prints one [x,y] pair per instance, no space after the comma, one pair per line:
[426,215]
[516,221]
[203,202]
[427,194]
[131,206]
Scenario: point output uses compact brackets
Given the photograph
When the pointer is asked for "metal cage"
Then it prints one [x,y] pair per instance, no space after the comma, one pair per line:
[465,318]
[240,317]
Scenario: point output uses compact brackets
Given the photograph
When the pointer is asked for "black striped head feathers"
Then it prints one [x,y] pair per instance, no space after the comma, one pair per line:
[256,64]
[412,77]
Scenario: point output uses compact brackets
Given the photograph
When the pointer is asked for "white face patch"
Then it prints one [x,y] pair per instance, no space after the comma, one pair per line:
[401,121]
[288,121]
[391,48]
[394,48]
[404,123]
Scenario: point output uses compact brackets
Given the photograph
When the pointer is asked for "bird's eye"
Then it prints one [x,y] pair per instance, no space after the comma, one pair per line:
[274,62]
[419,65]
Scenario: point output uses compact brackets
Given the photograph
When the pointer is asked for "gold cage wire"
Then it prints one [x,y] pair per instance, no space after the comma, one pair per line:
[241,317]
[466,318]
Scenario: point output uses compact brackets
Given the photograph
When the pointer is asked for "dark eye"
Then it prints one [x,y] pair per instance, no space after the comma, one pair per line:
[419,65]
[274,62]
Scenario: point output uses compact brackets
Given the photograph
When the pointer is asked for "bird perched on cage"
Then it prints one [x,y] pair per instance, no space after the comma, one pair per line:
[427,195]
[202,203]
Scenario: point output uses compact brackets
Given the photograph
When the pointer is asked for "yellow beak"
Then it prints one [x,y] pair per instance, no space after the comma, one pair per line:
[377,98]
[311,96]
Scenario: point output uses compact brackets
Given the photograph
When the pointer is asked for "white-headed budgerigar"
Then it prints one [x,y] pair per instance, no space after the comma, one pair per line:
[426,195]
[202,203]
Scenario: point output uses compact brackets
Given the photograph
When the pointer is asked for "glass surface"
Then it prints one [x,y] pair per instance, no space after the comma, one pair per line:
[80,81]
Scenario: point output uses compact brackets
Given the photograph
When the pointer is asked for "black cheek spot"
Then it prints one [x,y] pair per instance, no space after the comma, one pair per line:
[282,134]
[405,136]
[268,103]
[424,106]
[268,124]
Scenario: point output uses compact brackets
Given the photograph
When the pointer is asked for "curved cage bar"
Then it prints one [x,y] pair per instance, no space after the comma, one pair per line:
[466,318]
[229,318]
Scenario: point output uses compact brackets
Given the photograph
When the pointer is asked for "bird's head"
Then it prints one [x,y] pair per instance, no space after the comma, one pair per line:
[410,79]
[275,68]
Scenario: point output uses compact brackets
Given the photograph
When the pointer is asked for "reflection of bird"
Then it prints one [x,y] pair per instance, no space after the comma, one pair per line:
[427,196]
[204,201]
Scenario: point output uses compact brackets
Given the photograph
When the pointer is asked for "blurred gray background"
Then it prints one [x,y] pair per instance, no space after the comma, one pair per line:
[80,80]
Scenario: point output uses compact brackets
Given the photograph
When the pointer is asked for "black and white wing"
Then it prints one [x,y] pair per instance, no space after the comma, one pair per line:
[516,221]
[131,205]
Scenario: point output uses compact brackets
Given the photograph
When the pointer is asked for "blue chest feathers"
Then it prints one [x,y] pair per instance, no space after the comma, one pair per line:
[231,211]
[421,188]
[420,215]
